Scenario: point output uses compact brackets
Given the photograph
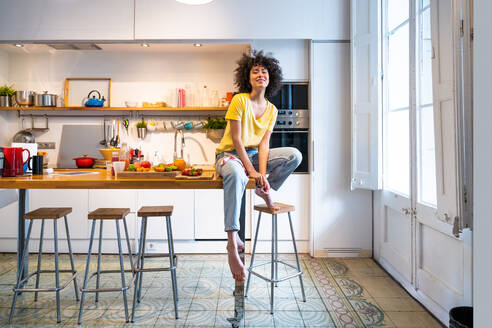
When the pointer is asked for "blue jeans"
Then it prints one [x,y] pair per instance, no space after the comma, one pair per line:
[281,163]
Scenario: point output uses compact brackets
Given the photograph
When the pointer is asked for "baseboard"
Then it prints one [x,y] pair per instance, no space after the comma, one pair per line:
[343,252]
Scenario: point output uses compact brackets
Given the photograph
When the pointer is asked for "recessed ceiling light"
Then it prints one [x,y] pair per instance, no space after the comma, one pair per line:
[195,2]
[197,44]
[18,45]
[145,45]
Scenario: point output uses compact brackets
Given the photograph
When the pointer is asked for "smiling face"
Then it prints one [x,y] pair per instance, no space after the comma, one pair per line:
[258,77]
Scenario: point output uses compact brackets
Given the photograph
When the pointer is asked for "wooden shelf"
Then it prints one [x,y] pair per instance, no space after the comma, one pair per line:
[116,108]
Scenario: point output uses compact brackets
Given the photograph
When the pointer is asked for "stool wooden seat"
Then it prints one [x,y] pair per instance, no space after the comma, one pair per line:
[151,211]
[284,208]
[108,214]
[48,213]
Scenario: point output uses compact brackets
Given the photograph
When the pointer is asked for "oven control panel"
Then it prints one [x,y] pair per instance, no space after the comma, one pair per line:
[292,119]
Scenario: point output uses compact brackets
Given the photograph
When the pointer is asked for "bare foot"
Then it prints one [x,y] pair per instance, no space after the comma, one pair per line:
[235,263]
[267,198]
[240,244]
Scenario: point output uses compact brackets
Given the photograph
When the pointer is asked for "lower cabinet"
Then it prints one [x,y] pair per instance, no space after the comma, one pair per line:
[197,219]
[209,214]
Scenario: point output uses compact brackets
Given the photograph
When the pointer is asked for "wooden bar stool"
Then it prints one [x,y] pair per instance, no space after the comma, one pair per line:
[102,214]
[146,212]
[45,213]
[274,279]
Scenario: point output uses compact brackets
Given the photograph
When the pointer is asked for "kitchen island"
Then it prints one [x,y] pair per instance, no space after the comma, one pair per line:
[98,179]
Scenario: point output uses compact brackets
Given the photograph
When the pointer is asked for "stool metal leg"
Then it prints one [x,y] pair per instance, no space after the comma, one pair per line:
[130,253]
[144,222]
[71,259]
[253,254]
[139,266]
[297,258]
[273,264]
[98,278]
[57,271]
[40,253]
[172,244]
[122,271]
[86,275]
[21,271]
[171,263]
[276,250]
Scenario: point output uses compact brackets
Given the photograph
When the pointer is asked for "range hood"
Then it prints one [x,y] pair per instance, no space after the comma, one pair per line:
[74,46]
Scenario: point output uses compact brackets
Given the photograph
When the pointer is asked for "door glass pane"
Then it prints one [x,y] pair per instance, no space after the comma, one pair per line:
[397,12]
[426,160]
[397,164]
[426,156]
[398,69]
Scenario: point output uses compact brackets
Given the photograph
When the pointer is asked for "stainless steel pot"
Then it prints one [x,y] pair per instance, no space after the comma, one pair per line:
[24,98]
[45,99]
[5,101]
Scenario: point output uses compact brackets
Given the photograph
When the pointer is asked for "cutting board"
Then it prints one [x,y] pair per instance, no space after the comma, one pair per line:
[206,175]
[147,175]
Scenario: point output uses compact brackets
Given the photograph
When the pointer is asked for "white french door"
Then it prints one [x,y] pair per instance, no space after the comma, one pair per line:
[397,246]
[416,245]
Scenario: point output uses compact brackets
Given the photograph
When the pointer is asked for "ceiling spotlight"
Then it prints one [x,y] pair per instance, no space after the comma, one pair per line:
[197,44]
[195,2]
[145,45]
[18,45]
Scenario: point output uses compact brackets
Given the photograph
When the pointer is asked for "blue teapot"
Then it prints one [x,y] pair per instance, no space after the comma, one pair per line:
[95,102]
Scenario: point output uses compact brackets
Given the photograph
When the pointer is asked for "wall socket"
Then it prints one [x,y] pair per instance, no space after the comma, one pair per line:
[46,145]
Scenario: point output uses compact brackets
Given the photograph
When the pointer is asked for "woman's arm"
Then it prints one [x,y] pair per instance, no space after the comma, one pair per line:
[263,151]
[243,156]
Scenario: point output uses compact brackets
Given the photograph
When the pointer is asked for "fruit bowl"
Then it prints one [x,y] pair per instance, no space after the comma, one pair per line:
[107,153]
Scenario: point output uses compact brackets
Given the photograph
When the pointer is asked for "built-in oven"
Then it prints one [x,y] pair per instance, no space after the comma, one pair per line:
[292,126]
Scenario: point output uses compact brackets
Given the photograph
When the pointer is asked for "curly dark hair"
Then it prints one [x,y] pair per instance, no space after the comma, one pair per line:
[246,63]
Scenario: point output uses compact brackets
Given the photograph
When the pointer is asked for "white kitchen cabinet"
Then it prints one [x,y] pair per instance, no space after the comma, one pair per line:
[242,19]
[209,214]
[182,219]
[294,191]
[342,219]
[77,199]
[66,20]
[293,56]
[8,215]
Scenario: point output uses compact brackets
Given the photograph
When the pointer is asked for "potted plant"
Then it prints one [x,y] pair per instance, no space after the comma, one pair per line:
[141,129]
[215,128]
[6,96]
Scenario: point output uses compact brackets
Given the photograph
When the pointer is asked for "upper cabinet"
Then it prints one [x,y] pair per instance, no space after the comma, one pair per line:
[24,20]
[242,19]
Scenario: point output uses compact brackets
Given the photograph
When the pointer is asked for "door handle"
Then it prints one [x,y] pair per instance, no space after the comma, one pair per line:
[406,211]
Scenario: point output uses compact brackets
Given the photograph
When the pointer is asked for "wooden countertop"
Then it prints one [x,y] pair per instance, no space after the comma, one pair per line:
[100,180]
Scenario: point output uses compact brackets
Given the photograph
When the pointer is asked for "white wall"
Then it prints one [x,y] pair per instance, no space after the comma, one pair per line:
[482,162]
[4,72]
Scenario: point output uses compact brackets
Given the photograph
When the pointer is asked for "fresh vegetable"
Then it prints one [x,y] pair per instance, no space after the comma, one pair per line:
[192,172]
[145,164]
[216,123]
[131,167]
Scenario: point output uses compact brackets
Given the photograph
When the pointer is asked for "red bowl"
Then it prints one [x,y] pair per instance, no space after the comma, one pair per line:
[84,161]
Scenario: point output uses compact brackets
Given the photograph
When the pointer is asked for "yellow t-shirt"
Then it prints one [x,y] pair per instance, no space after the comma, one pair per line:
[252,129]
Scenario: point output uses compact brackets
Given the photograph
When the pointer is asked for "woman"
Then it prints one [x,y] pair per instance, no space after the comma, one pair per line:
[245,148]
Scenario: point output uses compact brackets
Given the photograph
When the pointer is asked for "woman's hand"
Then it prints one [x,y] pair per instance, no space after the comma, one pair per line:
[261,180]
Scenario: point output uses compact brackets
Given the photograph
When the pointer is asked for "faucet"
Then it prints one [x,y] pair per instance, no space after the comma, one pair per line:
[175,155]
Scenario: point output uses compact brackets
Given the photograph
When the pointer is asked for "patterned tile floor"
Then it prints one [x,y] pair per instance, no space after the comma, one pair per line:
[339,293]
